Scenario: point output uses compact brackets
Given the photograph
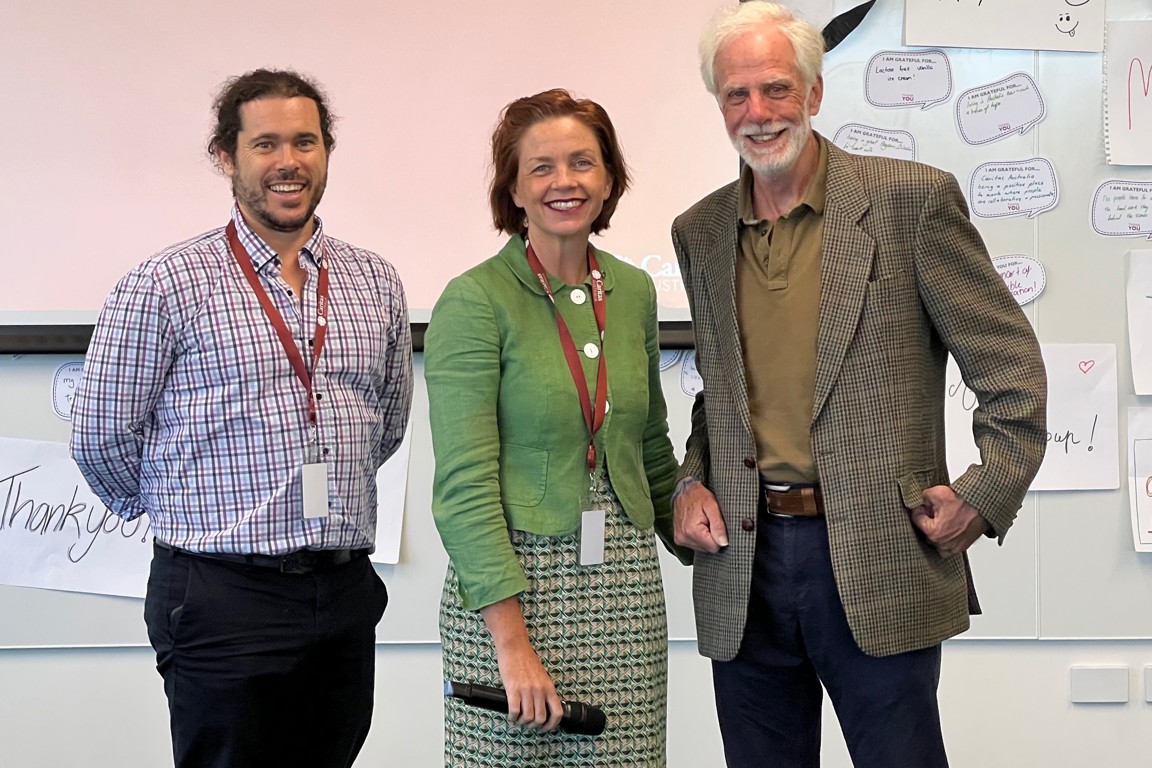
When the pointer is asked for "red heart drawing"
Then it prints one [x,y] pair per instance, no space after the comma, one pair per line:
[1086,365]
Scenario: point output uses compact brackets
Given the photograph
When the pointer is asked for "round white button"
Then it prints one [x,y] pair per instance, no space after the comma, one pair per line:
[607,407]
[591,350]
[578,296]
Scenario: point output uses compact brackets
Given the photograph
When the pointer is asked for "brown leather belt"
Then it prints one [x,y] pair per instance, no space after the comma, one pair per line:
[800,501]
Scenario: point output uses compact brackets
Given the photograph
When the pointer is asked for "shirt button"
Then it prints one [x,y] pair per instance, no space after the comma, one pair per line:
[591,351]
[578,296]
[607,407]
[750,463]
[747,525]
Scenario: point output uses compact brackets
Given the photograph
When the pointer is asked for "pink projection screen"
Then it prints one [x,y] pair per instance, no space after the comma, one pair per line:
[107,115]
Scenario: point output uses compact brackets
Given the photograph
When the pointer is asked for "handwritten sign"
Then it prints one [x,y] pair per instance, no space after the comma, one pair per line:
[1123,209]
[1128,93]
[1019,188]
[866,140]
[908,79]
[993,111]
[1140,476]
[391,490]
[1043,25]
[1024,277]
[54,533]
[690,380]
[1139,304]
[1083,430]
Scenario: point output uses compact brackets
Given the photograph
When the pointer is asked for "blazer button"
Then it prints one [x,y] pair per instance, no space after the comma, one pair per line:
[747,525]
[750,463]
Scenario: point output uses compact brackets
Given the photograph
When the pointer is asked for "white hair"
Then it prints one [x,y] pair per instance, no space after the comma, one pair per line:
[733,19]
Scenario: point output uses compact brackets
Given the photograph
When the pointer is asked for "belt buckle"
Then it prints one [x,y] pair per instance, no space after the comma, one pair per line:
[301,561]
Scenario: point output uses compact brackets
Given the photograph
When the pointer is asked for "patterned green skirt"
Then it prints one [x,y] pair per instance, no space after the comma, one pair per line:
[602,634]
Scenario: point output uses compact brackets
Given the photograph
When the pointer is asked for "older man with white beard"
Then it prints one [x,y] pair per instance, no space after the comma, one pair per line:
[827,291]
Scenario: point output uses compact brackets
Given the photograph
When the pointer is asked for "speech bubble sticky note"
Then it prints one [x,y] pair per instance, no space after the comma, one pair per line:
[1123,209]
[1016,188]
[691,381]
[64,384]
[908,79]
[866,140]
[669,358]
[1023,275]
[993,111]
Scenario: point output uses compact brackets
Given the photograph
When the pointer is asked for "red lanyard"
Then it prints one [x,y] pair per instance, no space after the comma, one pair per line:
[593,418]
[286,340]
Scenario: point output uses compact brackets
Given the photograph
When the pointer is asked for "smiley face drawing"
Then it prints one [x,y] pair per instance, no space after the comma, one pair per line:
[1065,20]
[1076,5]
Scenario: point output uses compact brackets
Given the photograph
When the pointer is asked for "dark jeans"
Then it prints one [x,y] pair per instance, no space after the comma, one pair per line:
[263,668]
[769,697]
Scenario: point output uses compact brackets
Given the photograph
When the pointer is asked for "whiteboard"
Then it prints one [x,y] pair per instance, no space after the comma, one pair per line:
[48,618]
[1006,577]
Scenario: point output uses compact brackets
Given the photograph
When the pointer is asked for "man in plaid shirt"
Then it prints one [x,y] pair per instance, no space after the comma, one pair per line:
[242,388]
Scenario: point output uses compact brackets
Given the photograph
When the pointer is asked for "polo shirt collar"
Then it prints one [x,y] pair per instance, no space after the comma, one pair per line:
[814,197]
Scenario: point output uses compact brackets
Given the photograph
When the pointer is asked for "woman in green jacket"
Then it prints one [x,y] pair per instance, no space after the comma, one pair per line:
[553,462]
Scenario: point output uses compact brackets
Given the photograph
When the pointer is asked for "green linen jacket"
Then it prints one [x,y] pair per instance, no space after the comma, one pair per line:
[507,430]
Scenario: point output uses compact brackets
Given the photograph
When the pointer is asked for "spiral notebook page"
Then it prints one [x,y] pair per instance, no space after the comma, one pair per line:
[1128,92]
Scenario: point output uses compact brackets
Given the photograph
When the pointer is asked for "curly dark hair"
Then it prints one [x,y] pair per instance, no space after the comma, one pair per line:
[263,84]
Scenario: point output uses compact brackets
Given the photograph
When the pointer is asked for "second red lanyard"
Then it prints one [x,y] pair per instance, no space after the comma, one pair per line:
[593,414]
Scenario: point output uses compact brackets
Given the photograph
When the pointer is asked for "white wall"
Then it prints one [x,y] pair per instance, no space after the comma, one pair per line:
[1005,704]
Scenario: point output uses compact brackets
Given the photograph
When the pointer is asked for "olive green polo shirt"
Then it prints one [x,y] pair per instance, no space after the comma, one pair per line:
[778,311]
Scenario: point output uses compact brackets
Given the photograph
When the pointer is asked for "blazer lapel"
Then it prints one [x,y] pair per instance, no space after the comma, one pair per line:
[720,274]
[848,253]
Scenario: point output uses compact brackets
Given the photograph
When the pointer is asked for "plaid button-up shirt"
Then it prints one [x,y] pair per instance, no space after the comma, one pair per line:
[190,411]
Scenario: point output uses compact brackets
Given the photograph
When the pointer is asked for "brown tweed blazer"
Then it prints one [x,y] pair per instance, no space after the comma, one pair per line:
[906,280]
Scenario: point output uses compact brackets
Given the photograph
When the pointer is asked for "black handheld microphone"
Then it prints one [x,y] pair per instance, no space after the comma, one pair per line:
[582,719]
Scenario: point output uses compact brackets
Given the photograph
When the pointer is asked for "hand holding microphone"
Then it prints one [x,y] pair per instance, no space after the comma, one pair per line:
[579,718]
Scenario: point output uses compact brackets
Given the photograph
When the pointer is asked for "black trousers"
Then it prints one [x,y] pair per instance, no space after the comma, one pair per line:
[263,668]
[769,697]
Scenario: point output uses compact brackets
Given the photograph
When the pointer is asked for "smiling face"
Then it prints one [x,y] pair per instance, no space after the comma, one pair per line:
[280,167]
[562,181]
[767,106]
[1065,24]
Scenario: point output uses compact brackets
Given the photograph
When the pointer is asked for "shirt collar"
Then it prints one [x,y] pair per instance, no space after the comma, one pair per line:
[515,255]
[261,253]
[814,197]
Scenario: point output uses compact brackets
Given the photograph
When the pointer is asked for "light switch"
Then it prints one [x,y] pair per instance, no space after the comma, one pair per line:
[1100,684]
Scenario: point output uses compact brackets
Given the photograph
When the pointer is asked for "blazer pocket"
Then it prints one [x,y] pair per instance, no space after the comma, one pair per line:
[523,474]
[912,487]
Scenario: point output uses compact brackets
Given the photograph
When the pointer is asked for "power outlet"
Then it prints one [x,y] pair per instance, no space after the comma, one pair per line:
[1100,684]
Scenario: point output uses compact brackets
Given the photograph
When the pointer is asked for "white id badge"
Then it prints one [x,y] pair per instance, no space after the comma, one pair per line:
[315,483]
[592,537]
